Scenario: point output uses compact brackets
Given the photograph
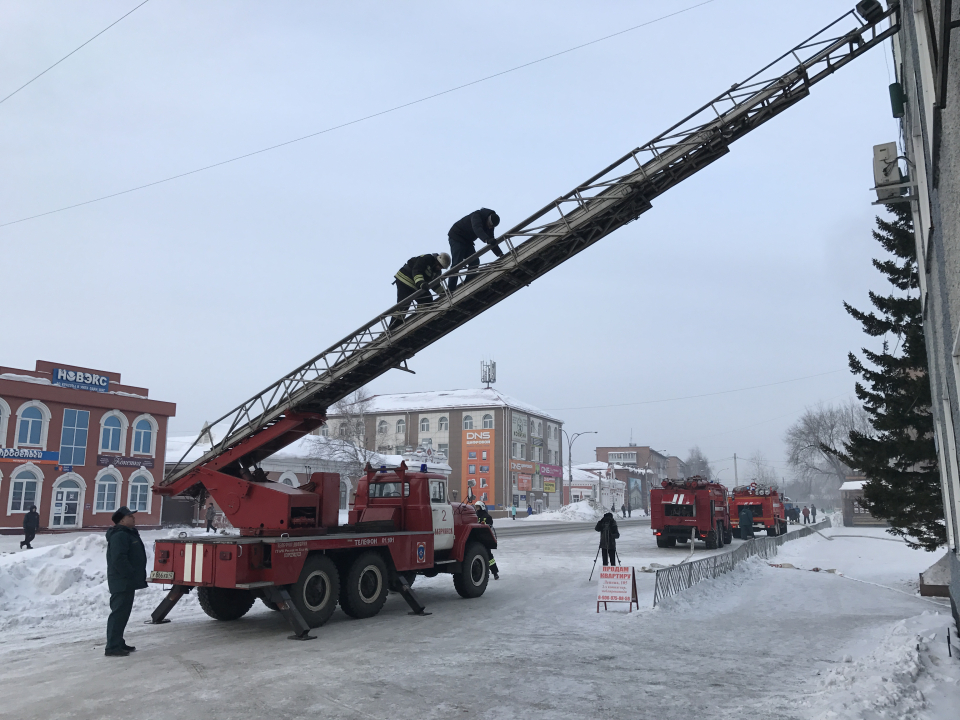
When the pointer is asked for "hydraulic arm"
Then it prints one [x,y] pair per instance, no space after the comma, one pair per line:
[296,403]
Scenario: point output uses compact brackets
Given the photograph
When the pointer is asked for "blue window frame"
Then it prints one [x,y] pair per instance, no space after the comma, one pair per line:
[110,439]
[143,437]
[31,425]
[73,437]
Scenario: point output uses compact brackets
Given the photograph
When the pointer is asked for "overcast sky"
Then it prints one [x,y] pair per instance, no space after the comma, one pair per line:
[208,288]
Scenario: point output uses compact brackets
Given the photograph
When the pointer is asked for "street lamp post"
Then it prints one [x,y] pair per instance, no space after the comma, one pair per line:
[570,442]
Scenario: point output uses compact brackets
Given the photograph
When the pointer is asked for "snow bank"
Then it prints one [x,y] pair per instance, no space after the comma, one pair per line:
[574,512]
[908,676]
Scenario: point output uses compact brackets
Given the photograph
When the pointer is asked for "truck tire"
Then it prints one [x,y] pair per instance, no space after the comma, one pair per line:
[720,540]
[365,590]
[225,603]
[773,531]
[711,539]
[727,535]
[316,591]
[666,542]
[471,581]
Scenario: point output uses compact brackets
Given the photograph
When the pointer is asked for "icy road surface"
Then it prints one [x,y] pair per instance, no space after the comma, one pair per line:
[760,642]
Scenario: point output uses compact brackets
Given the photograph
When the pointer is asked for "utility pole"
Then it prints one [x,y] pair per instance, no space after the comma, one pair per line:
[736,478]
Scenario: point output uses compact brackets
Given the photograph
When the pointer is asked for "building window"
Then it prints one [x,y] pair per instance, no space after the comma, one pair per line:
[142,438]
[324,431]
[401,427]
[138,493]
[24,491]
[539,429]
[73,437]
[342,430]
[468,422]
[383,428]
[4,418]
[31,427]
[360,430]
[424,425]
[444,448]
[107,488]
[443,424]
[385,449]
[113,432]
[537,454]
[487,421]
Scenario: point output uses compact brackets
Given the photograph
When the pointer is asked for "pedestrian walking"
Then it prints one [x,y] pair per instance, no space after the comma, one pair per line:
[31,523]
[529,510]
[486,518]
[478,225]
[126,573]
[513,512]
[412,278]
[806,515]
[623,510]
[629,511]
[607,527]
[211,515]
[813,512]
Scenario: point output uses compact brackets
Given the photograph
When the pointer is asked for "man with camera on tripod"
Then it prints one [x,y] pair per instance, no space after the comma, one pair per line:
[607,527]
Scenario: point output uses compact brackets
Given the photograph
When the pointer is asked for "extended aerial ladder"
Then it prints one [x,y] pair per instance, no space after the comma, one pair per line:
[296,404]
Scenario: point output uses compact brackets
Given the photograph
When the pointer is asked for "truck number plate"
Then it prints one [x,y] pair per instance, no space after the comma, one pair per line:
[161,575]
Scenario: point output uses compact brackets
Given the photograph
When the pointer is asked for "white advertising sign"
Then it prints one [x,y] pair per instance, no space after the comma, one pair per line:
[617,584]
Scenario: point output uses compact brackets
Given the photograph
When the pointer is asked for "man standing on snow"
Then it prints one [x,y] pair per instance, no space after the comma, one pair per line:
[813,512]
[126,573]
[806,515]
[478,225]
[486,518]
[746,523]
[607,527]
[623,510]
[31,523]
[211,514]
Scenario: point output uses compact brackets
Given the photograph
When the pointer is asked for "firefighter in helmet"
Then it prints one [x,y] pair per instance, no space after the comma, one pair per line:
[487,519]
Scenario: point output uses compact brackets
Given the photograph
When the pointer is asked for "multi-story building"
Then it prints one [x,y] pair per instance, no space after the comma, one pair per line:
[78,444]
[926,99]
[656,467]
[676,468]
[501,450]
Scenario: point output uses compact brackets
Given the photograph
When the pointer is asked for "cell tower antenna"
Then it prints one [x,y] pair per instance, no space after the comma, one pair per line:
[488,372]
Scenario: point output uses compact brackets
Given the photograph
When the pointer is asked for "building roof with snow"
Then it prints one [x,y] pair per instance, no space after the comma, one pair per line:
[853,485]
[449,400]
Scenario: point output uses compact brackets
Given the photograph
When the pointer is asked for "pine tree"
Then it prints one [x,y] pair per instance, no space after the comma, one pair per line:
[898,458]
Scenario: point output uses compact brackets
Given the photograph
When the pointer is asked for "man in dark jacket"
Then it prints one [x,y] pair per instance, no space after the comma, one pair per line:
[31,523]
[607,527]
[478,225]
[126,573]
[418,272]
[487,519]
[813,512]
[211,514]
[745,518]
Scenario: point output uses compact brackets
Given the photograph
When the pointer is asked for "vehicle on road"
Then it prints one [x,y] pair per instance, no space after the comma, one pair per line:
[690,509]
[765,503]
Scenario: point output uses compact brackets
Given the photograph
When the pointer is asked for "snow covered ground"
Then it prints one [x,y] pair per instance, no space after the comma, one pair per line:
[761,641]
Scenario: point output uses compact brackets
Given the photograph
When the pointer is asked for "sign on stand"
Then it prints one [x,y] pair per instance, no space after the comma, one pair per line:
[618,584]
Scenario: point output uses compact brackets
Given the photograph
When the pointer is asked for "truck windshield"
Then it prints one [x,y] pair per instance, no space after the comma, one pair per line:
[438,492]
[388,490]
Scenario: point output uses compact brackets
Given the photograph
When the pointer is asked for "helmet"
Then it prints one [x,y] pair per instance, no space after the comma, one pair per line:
[444,259]
[479,504]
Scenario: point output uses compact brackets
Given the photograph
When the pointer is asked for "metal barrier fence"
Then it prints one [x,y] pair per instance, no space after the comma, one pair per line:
[672,580]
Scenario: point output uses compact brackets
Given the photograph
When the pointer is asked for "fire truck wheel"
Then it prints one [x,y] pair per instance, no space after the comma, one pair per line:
[365,591]
[773,531]
[225,603]
[727,535]
[712,539]
[720,540]
[472,579]
[316,590]
[666,542]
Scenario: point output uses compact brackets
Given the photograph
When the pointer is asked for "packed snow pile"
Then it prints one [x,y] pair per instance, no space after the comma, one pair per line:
[581,511]
[63,584]
[909,675]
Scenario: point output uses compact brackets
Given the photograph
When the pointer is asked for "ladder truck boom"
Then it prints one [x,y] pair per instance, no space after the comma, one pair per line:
[296,403]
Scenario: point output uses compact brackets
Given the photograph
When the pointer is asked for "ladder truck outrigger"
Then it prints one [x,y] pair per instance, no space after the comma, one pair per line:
[291,552]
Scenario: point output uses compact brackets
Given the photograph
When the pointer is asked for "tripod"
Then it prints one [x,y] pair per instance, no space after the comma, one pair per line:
[613,555]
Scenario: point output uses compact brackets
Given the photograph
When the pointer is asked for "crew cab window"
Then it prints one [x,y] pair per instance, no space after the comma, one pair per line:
[388,490]
[438,491]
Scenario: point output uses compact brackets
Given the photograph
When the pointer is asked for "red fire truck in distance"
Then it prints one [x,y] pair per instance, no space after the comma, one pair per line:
[292,554]
[765,504]
[691,509]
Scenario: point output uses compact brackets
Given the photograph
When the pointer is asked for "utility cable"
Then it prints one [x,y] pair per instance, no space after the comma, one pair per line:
[349,122]
[73,51]
[691,397]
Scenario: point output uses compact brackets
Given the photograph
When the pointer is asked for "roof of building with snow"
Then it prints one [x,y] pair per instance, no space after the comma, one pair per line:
[449,400]
[853,485]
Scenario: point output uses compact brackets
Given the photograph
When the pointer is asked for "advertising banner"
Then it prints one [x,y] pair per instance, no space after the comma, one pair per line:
[549,486]
[476,462]
[522,466]
[551,470]
[617,584]
[124,461]
[524,482]
[23,455]
[79,380]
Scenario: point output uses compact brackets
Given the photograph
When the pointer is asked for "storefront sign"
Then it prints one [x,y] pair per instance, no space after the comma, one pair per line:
[122,461]
[23,455]
[551,470]
[521,466]
[549,486]
[537,442]
[79,380]
[524,482]
[519,427]
[476,451]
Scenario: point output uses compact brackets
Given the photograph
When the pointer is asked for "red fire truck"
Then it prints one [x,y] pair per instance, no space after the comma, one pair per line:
[691,509]
[292,554]
[764,503]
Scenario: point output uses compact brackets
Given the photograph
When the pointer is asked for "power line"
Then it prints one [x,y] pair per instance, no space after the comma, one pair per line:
[73,51]
[691,397]
[350,122]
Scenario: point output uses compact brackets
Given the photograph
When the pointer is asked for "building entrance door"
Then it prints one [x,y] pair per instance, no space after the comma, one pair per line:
[66,504]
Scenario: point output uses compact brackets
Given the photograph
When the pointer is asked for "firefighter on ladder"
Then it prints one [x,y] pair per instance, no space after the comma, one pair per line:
[418,272]
[487,519]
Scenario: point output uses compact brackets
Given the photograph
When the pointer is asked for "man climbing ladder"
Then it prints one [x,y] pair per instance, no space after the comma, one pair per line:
[418,272]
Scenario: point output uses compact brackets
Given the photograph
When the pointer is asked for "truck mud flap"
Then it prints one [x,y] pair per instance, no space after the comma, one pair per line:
[281,598]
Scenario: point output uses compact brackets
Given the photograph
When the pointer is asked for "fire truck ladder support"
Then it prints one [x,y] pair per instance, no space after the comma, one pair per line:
[617,195]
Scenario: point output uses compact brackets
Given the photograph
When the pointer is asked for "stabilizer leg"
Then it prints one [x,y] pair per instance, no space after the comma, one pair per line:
[159,615]
[281,598]
[412,600]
